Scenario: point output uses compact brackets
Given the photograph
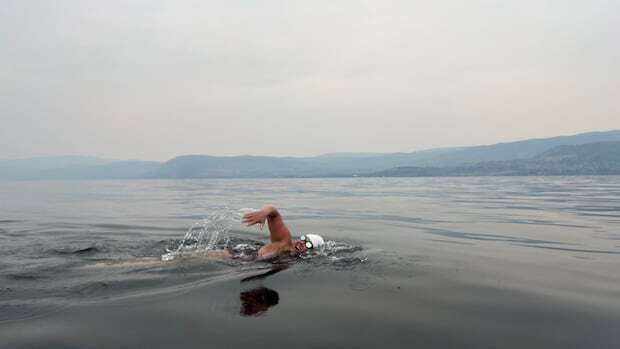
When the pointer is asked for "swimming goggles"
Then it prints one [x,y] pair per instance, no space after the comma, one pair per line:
[307,241]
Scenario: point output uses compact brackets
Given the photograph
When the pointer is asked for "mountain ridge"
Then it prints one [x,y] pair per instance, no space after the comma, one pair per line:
[343,164]
[326,165]
[601,158]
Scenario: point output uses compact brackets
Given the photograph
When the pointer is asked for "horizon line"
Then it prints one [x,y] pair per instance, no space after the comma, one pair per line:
[103,158]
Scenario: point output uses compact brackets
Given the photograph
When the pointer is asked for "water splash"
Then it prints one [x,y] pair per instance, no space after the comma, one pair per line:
[212,233]
[335,254]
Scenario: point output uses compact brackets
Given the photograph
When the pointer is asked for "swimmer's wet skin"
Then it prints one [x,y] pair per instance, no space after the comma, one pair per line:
[280,235]
[150,262]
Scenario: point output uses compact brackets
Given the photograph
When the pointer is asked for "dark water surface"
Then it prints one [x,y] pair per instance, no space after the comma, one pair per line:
[430,263]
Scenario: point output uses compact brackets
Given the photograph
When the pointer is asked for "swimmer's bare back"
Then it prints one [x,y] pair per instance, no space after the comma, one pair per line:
[150,262]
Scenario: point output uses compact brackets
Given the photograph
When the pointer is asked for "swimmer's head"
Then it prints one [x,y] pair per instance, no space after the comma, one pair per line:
[308,242]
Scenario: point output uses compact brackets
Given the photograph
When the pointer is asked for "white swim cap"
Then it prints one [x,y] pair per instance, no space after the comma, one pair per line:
[313,241]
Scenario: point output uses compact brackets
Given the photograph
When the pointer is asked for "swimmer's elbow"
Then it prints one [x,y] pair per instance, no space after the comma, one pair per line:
[271,210]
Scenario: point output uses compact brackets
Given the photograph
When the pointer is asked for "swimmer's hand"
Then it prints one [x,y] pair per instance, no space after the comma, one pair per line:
[256,217]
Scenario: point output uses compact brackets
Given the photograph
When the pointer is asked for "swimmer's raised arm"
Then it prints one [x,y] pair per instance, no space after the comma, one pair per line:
[278,230]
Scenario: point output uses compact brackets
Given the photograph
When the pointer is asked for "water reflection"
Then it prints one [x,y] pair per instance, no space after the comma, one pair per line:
[258,300]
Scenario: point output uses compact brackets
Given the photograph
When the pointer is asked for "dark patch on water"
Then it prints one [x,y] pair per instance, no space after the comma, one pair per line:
[276,268]
[90,288]
[23,277]
[451,242]
[488,237]
[569,249]
[80,251]
[542,222]
[87,250]
[597,208]
[589,214]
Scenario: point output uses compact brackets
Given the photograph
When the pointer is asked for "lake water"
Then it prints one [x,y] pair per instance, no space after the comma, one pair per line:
[519,262]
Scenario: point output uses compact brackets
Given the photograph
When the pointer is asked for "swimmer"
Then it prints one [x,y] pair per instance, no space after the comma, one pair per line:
[281,243]
[281,240]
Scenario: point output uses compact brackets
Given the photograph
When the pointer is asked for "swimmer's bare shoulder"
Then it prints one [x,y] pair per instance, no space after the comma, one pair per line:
[280,235]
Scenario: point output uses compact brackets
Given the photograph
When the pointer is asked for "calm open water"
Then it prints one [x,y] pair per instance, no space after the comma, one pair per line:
[520,262]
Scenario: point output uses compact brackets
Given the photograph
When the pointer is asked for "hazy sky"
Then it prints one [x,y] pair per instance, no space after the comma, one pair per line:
[154,79]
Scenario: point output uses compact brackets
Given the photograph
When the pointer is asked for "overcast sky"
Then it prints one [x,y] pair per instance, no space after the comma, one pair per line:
[155,79]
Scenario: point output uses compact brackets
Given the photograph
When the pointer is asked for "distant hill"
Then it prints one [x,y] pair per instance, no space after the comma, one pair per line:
[601,158]
[516,150]
[349,164]
[521,157]
[205,166]
[327,165]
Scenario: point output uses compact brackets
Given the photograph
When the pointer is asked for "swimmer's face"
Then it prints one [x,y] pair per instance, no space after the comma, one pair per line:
[299,246]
